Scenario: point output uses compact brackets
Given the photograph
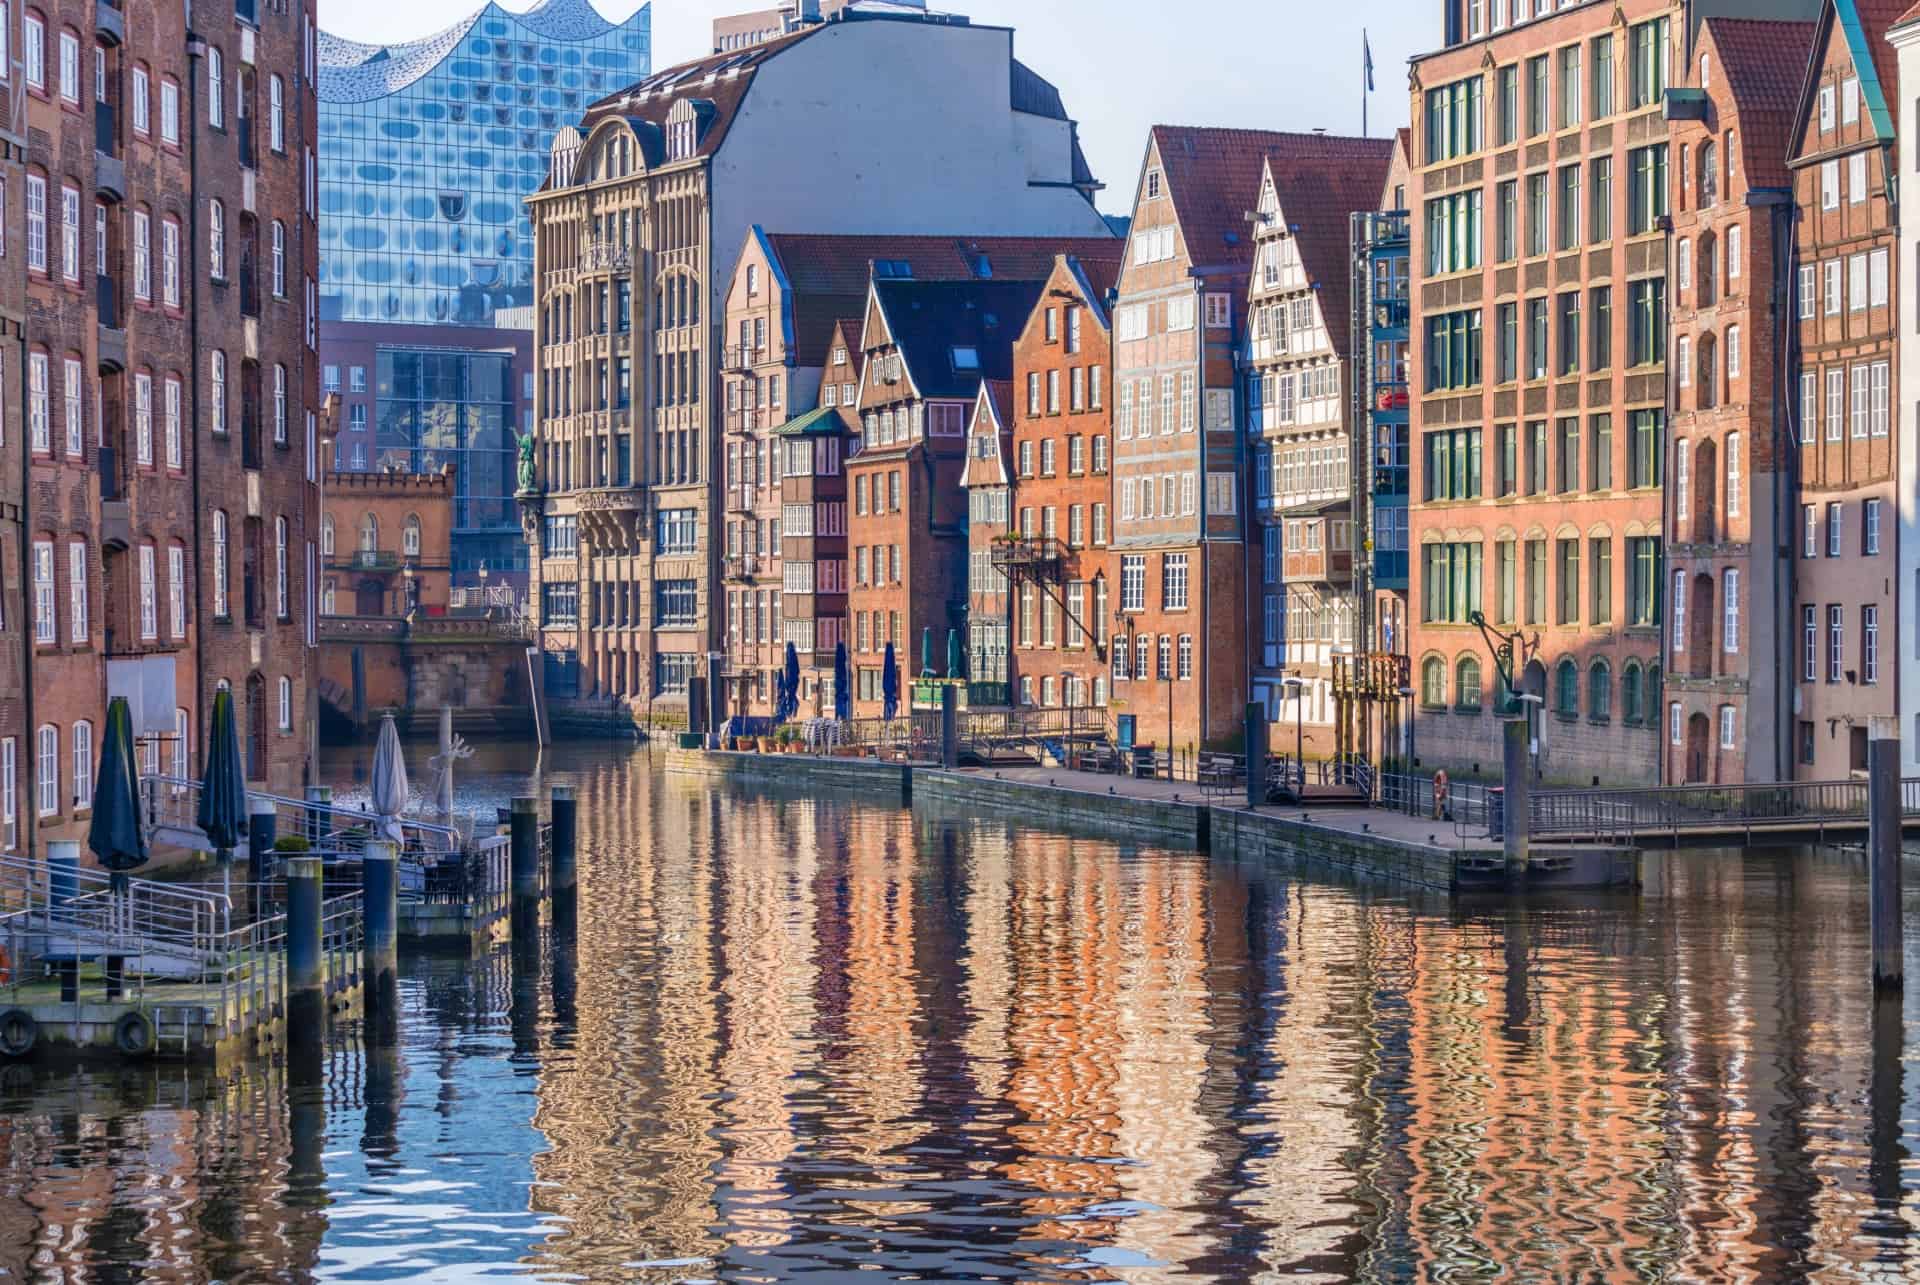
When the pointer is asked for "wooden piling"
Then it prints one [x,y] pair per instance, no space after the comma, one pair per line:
[1883,860]
[1515,771]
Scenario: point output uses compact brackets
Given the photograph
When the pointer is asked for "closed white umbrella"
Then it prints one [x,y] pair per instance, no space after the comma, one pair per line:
[391,793]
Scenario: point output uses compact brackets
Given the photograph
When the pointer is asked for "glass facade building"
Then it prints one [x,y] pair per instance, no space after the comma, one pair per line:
[426,151]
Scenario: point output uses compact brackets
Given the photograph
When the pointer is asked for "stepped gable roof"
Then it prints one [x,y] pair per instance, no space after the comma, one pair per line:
[1765,66]
[930,320]
[351,71]
[1318,198]
[827,274]
[1213,176]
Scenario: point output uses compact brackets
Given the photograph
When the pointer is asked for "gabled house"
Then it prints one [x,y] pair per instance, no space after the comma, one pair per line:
[929,344]
[988,479]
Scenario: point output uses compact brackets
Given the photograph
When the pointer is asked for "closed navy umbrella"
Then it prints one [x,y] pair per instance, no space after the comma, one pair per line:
[842,684]
[790,676]
[115,834]
[954,665]
[223,784]
[889,685]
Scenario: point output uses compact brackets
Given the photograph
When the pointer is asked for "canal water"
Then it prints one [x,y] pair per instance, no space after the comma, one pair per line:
[803,1039]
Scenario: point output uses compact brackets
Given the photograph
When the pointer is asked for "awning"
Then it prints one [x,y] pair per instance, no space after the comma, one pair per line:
[823,419]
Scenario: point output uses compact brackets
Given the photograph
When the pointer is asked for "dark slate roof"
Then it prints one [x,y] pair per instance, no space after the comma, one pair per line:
[1764,65]
[929,319]
[1213,176]
[828,274]
[821,419]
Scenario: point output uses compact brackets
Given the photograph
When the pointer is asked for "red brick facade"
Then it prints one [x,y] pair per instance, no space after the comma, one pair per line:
[170,260]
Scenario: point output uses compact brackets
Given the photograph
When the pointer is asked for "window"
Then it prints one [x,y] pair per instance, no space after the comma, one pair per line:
[1733,356]
[1453,233]
[216,90]
[1536,214]
[285,691]
[1599,692]
[1647,330]
[36,223]
[1453,120]
[170,263]
[1836,642]
[1569,238]
[217,397]
[1734,253]
[1870,644]
[1870,528]
[79,623]
[1647,193]
[83,764]
[70,233]
[1173,582]
[1651,60]
[1643,581]
[1730,612]
[34,36]
[176,592]
[169,112]
[1826,108]
[9,748]
[74,398]
[279,259]
[1810,644]
[1566,689]
[172,432]
[221,606]
[276,114]
[1570,99]
[149,595]
[1453,350]
[1830,185]
[1857,179]
[217,240]
[43,600]
[1133,582]
[1433,682]
[1646,457]
[1877,279]
[1537,106]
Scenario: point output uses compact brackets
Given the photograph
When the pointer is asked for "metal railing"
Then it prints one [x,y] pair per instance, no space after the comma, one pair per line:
[1676,810]
[331,831]
[1468,803]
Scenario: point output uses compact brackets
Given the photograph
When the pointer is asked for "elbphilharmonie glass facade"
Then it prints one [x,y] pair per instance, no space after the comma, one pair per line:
[426,150]
[426,254]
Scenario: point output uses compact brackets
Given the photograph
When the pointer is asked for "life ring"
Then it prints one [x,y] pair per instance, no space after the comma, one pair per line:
[1441,798]
[133,1034]
[18,1032]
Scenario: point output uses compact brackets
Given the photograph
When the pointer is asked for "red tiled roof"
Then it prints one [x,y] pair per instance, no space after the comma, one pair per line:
[1911,15]
[1765,67]
[1213,176]
[1319,199]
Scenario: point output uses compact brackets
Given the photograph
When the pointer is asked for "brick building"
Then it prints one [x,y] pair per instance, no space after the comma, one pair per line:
[1307,476]
[1539,204]
[1905,38]
[928,344]
[787,292]
[1179,551]
[988,479]
[169,252]
[1731,640]
[637,233]
[1061,503]
[15,604]
[811,451]
[1842,159]
[386,543]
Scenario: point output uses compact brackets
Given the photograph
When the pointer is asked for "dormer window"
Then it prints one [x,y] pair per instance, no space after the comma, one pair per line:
[966,358]
[683,127]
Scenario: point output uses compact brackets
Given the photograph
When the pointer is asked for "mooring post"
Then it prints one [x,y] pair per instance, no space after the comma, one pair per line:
[949,727]
[1883,856]
[319,812]
[380,948]
[1515,772]
[263,826]
[524,854]
[306,980]
[566,824]
[1256,739]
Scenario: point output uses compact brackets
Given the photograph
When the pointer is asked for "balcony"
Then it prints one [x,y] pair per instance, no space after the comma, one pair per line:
[742,566]
[741,499]
[1390,569]
[1390,479]
[736,358]
[367,560]
[1390,396]
[1027,557]
[1313,562]
[109,171]
[109,23]
[605,256]
[112,330]
[1391,314]
[1384,229]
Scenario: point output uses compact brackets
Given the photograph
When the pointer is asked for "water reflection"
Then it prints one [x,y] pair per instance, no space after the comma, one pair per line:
[795,1037]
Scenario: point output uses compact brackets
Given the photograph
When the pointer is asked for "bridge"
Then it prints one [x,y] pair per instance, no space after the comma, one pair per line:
[1781,813]
[475,663]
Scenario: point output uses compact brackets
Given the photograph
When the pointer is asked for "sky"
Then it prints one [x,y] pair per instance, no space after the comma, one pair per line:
[1121,65]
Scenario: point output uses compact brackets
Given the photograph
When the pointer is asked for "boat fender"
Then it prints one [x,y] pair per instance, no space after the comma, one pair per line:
[18,1032]
[133,1034]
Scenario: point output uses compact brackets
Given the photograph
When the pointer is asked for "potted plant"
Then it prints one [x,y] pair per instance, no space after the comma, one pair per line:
[292,845]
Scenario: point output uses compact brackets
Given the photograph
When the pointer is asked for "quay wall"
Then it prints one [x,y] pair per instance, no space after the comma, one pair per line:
[867,777]
[1181,825]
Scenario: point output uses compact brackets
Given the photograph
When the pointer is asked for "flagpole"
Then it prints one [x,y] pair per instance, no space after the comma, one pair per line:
[1366,74]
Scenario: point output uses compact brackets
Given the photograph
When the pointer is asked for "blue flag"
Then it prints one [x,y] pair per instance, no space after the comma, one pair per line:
[1366,50]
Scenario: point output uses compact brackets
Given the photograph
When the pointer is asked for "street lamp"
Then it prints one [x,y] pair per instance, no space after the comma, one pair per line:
[1299,686]
[485,604]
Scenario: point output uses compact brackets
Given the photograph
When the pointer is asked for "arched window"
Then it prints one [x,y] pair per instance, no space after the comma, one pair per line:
[410,536]
[1566,689]
[326,535]
[328,591]
[286,703]
[369,534]
[1599,692]
[1632,698]
[83,764]
[1433,682]
[1466,683]
[1709,175]
[1732,497]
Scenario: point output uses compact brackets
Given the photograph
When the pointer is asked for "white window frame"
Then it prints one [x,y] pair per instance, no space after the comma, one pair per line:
[82,745]
[79,617]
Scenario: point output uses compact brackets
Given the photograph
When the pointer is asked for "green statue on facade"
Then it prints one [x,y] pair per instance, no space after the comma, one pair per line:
[526,462]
